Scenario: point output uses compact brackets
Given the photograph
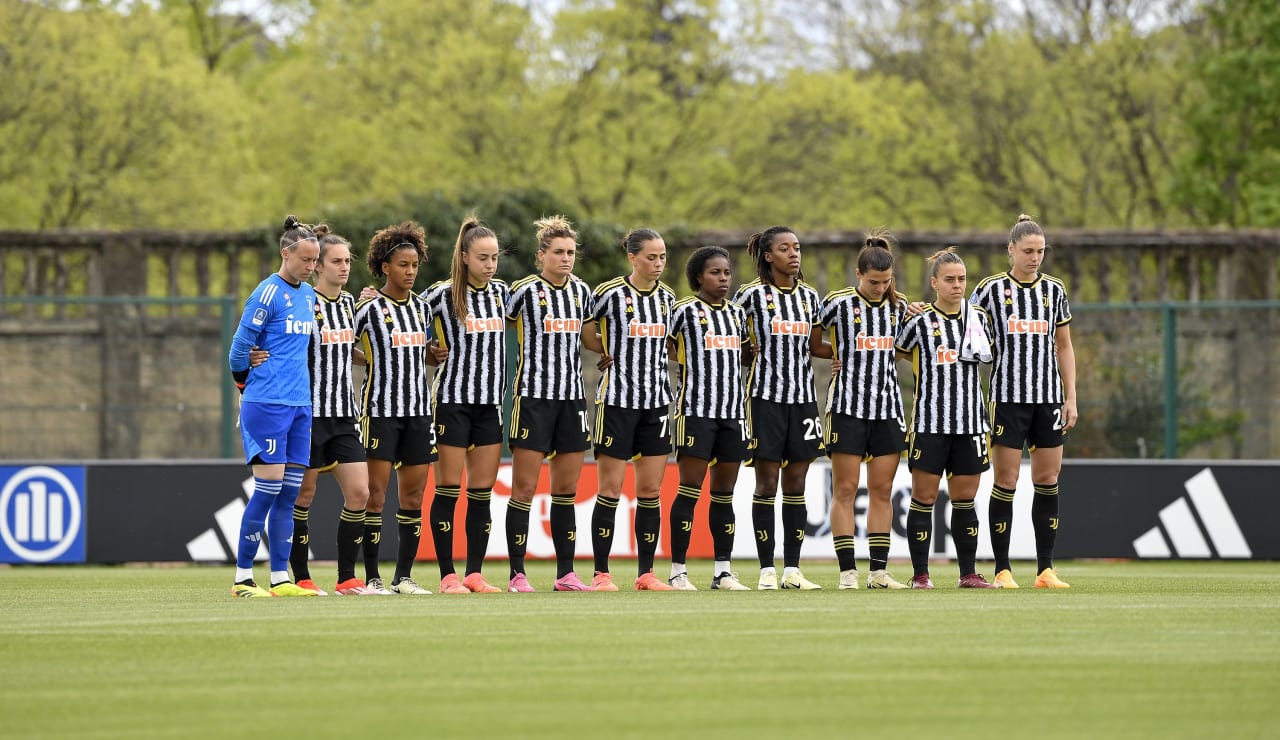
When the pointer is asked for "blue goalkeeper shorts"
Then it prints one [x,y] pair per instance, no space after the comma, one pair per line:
[274,433]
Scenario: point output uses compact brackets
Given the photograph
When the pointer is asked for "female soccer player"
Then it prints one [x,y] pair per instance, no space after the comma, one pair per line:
[1033,394]
[782,315]
[707,334]
[549,417]
[469,311]
[392,327]
[632,420]
[335,427]
[275,413]
[865,419]
[949,429]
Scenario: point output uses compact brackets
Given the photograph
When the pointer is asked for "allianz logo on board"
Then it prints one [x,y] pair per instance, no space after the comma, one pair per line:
[41,514]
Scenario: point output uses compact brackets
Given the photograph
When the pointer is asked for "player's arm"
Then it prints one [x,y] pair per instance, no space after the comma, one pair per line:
[252,324]
[818,347]
[1067,369]
[591,340]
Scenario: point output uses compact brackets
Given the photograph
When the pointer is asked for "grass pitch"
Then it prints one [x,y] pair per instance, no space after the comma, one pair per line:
[1133,649]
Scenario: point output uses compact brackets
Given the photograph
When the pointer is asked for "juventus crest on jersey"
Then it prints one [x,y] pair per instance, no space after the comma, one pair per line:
[548,320]
[633,327]
[779,321]
[708,340]
[1024,322]
[476,370]
[948,397]
[393,335]
[862,334]
[330,361]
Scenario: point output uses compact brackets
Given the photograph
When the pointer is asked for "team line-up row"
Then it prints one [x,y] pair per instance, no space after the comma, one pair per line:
[745,394]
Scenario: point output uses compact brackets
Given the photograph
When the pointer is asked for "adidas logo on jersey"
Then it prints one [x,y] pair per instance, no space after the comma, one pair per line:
[722,341]
[1016,325]
[782,326]
[561,326]
[864,342]
[637,328]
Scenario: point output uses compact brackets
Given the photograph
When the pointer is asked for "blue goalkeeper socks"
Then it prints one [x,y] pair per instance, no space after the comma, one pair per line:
[265,492]
[280,520]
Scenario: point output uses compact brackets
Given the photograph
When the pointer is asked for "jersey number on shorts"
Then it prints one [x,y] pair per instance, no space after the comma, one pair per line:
[812,428]
[980,444]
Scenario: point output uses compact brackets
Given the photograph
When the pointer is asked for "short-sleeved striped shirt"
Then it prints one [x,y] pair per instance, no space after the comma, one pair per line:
[393,335]
[948,392]
[548,320]
[476,370]
[862,334]
[1024,321]
[779,322]
[633,327]
[708,340]
[333,338]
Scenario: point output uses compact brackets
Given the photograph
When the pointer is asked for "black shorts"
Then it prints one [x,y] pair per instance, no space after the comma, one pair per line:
[335,440]
[866,438]
[550,426]
[1030,424]
[717,440]
[409,440]
[785,432]
[468,424]
[955,454]
[626,434]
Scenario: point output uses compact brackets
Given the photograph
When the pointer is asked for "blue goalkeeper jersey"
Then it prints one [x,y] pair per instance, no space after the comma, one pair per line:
[279,318]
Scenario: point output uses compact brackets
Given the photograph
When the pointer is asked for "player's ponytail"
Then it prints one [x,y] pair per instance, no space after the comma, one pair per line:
[1024,228]
[471,230]
[295,232]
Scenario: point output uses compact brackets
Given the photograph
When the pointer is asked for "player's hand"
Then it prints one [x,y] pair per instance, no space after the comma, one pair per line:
[836,365]
[368,292]
[257,356]
[438,353]
[915,308]
[1069,416]
[604,363]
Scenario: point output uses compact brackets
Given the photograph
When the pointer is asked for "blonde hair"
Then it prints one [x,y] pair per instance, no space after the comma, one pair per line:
[551,227]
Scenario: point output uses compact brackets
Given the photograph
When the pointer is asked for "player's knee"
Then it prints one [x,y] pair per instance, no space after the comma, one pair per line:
[845,494]
[1045,479]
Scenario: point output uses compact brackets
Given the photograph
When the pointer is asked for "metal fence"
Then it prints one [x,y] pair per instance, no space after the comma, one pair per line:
[115,377]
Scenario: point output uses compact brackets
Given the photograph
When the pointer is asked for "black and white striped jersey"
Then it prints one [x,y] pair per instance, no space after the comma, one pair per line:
[708,340]
[332,340]
[780,321]
[476,370]
[548,320]
[1024,321]
[948,392]
[393,335]
[862,333]
[633,327]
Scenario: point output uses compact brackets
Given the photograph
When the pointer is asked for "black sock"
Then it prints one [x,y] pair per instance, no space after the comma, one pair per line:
[682,521]
[878,545]
[301,539]
[919,532]
[602,518]
[479,524]
[517,533]
[964,532]
[648,527]
[369,544]
[564,531]
[350,535]
[1000,523]
[794,517]
[844,551]
[409,527]
[1044,518]
[441,513]
[721,518]
[762,520]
